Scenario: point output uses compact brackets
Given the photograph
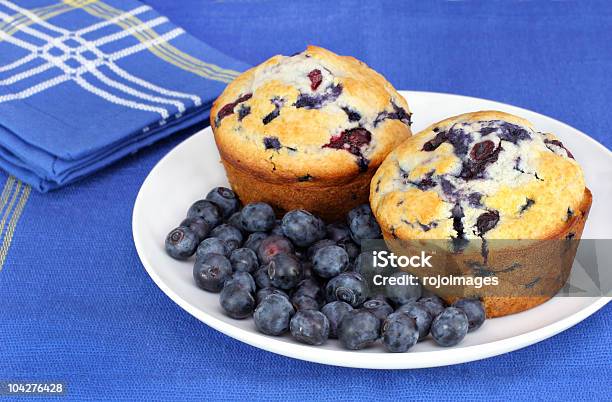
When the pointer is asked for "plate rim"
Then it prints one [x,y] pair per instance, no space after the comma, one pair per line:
[355,359]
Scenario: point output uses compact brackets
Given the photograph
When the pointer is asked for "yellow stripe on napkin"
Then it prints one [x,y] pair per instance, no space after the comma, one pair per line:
[163,50]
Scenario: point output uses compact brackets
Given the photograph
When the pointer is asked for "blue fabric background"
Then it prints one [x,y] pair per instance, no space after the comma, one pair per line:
[76,304]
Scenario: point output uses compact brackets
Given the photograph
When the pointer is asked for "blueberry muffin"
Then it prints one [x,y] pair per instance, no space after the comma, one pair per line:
[487,178]
[308,131]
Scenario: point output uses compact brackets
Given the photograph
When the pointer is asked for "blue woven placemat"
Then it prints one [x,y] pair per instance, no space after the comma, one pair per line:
[76,304]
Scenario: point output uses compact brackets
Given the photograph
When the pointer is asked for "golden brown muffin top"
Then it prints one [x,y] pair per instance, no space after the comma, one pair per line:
[487,174]
[309,116]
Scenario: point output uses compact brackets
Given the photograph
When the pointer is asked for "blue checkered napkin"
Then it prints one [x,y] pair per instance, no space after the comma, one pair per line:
[84,83]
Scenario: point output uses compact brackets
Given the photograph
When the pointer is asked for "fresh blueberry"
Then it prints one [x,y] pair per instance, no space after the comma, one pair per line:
[199,227]
[338,232]
[450,327]
[254,240]
[300,253]
[309,287]
[205,210]
[381,297]
[347,287]
[302,227]
[228,233]
[312,250]
[330,261]
[257,217]
[237,301]
[362,224]
[303,302]
[212,245]
[243,279]
[352,249]
[421,316]
[379,308]
[284,271]
[272,245]
[225,199]
[307,270]
[358,329]
[403,291]
[263,293]
[399,333]
[309,326]
[335,312]
[363,264]
[235,221]
[244,260]
[262,279]
[273,314]
[433,304]
[181,243]
[474,310]
[277,230]
[211,271]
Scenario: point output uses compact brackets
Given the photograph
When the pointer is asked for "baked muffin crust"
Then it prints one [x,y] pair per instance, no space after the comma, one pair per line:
[311,117]
[487,175]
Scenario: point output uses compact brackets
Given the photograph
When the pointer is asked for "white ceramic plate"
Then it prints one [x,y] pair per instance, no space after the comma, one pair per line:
[190,170]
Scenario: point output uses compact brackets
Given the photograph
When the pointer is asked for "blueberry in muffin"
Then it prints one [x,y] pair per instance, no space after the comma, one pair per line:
[308,131]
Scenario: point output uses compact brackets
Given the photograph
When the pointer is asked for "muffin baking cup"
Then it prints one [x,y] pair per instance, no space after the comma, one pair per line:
[487,196]
[308,131]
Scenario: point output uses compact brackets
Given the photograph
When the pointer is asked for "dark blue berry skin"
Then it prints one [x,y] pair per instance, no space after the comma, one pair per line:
[307,271]
[205,210]
[312,250]
[330,261]
[399,333]
[474,310]
[254,240]
[273,314]
[285,271]
[244,260]
[263,293]
[234,220]
[362,224]
[352,249]
[303,302]
[310,327]
[225,199]
[211,271]
[309,287]
[402,294]
[237,301]
[181,243]
[363,264]
[421,316]
[272,245]
[433,304]
[302,227]
[243,279]
[450,327]
[335,312]
[212,245]
[347,287]
[379,308]
[277,229]
[198,226]
[358,329]
[257,217]
[262,279]
[338,232]
[231,235]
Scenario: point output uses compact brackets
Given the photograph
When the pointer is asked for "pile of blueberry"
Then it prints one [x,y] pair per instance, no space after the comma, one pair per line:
[302,276]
